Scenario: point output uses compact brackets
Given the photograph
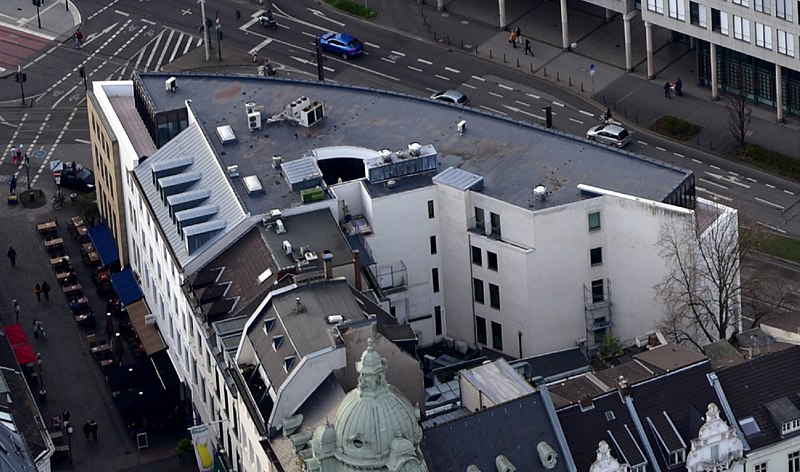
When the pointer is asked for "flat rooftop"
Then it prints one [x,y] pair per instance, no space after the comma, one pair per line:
[512,157]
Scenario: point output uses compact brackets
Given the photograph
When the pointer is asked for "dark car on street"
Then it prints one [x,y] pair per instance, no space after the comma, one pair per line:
[342,44]
[77,179]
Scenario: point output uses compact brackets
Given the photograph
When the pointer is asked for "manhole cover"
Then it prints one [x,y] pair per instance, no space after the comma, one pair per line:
[39,154]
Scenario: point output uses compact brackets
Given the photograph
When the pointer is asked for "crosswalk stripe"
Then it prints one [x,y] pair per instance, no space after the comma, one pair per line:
[153,52]
[188,45]
[177,46]
[164,51]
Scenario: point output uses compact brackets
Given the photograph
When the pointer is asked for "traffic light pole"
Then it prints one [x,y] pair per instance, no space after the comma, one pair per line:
[38,3]
[205,28]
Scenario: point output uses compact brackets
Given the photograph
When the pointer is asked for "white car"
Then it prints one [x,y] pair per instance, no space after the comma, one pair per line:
[609,134]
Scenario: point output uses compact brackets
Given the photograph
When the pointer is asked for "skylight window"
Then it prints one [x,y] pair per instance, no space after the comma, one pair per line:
[277,341]
[749,426]
[269,323]
[288,363]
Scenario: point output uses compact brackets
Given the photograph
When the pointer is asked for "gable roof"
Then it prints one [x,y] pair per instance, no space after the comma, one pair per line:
[750,386]
[513,429]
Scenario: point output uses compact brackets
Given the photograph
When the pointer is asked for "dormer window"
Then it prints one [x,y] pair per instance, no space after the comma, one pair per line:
[677,457]
[277,341]
[269,323]
[790,426]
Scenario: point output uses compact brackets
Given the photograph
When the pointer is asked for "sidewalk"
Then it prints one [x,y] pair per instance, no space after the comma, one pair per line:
[465,26]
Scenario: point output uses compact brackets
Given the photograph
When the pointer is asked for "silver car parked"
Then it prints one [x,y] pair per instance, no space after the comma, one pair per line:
[609,134]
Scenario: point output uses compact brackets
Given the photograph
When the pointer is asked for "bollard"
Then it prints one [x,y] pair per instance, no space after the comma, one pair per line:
[462,44]
[517,62]
[558,77]
[604,99]
[581,86]
[545,71]
[490,54]
[448,39]
[615,106]
[626,112]
[504,58]
[637,118]
[570,80]
[531,67]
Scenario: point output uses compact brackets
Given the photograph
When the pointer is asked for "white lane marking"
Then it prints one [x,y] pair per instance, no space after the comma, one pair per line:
[82,141]
[505,87]
[522,103]
[188,45]
[714,167]
[493,110]
[320,14]
[306,61]
[425,62]
[164,51]
[139,59]
[752,179]
[660,148]
[587,113]
[730,179]
[713,183]
[678,154]
[697,160]
[450,69]
[642,143]
[431,90]
[175,50]
[153,52]
[715,195]
[774,228]
[479,78]
[789,192]
[558,104]
[121,13]
[261,45]
[767,202]
[495,95]
[770,185]
[441,77]
[533,95]
[415,68]
[398,53]
[388,60]
[372,45]
[469,86]
[517,110]
[733,173]
[576,121]
[144,20]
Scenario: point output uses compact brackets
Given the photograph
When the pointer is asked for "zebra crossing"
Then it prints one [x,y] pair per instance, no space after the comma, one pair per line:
[163,48]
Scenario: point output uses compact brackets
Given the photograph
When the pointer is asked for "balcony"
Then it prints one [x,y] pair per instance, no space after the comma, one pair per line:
[391,278]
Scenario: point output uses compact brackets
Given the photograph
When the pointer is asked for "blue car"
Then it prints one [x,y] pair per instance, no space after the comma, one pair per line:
[341,43]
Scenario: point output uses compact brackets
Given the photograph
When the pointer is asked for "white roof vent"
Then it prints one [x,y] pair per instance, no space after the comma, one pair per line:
[287,247]
[547,455]
[250,107]
[171,84]
[334,319]
[276,162]
[233,171]
[310,256]
[540,192]
[280,228]
[414,148]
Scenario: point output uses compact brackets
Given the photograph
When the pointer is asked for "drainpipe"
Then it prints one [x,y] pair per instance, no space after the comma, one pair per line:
[357,268]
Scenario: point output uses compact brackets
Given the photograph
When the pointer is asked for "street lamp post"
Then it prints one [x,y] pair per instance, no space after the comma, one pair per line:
[38,3]
[27,170]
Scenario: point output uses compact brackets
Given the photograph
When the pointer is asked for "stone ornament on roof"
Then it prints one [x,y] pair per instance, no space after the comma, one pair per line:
[717,446]
[605,462]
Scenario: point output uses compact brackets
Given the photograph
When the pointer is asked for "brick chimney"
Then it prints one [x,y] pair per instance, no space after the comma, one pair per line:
[327,262]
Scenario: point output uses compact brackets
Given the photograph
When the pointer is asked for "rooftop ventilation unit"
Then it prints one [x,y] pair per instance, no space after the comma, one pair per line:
[547,455]
[540,192]
[233,171]
[150,319]
[225,134]
[250,107]
[252,185]
[392,165]
[279,227]
[287,247]
[334,319]
[276,162]
[413,149]
[254,120]
[171,84]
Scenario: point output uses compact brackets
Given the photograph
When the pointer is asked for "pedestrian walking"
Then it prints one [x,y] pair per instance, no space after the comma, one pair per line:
[46,290]
[513,38]
[36,327]
[38,291]
[13,185]
[87,429]
[78,39]
[16,308]
[666,89]
[679,87]
[41,330]
[255,56]
[12,255]
[15,153]
[65,416]
[93,426]
[528,47]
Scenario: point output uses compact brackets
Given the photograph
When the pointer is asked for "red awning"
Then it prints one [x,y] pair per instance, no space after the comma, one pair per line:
[25,354]
[16,335]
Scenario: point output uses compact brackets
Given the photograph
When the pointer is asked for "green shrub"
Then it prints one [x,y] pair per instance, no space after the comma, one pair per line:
[768,160]
[353,8]
[773,244]
[675,128]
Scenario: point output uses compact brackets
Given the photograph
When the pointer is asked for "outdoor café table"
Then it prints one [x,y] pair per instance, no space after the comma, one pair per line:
[72,288]
[101,349]
[93,256]
[77,221]
[53,243]
[59,260]
[87,248]
[47,227]
[83,318]
[62,277]
[82,231]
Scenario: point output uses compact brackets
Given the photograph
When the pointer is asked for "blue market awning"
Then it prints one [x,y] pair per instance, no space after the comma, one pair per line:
[104,243]
[126,286]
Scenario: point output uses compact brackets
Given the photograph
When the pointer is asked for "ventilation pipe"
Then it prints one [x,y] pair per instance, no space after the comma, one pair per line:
[473,468]
[547,455]
[327,261]
[504,465]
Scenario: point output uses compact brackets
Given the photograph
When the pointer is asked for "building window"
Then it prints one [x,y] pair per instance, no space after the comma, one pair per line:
[744,3]
[480,219]
[763,36]
[434,249]
[594,221]
[480,328]
[677,9]
[719,21]
[596,255]
[762,5]
[697,14]
[656,6]
[477,288]
[437,319]
[497,336]
[794,461]
[491,260]
[741,28]
[790,426]
[494,296]
[760,467]
[786,43]
[495,220]
[597,291]
[435,279]
[676,457]
[431,214]
[477,256]
[783,9]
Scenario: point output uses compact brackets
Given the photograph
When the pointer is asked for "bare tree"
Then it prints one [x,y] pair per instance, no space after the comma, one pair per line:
[702,287]
[739,110]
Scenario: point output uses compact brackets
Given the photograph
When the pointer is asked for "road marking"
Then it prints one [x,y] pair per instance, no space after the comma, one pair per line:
[576,121]
[730,179]
[770,185]
[398,53]
[522,103]
[372,45]
[425,62]
[733,173]
[715,195]
[505,87]
[767,202]
[558,104]
[774,228]
[587,113]
[139,59]
[678,154]
[469,86]
[517,110]
[153,52]
[261,45]
[186,11]
[714,167]
[388,60]
[188,45]
[415,68]
[710,182]
[441,77]
[642,143]
[82,141]
[493,110]
[319,14]
[479,78]
[121,13]
[495,95]
[532,95]
[144,20]
[164,51]
[450,69]
[789,192]
[697,160]
[661,149]
[752,179]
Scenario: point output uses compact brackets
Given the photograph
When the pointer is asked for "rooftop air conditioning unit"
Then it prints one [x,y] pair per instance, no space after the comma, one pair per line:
[287,247]
[233,171]
[254,120]
[276,162]
[150,319]
[334,319]
[171,84]
[279,227]
[310,256]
